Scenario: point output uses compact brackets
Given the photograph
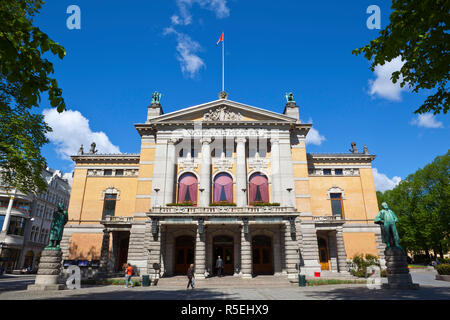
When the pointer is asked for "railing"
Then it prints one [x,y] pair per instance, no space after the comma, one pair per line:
[215,210]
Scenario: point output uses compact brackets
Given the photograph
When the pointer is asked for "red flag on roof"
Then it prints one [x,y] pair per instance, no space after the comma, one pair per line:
[221,38]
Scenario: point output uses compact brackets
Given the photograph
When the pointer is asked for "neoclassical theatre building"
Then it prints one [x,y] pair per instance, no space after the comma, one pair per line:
[223,179]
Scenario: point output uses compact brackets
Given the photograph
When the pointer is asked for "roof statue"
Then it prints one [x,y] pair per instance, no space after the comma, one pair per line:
[366,150]
[92,151]
[289,97]
[353,149]
[81,150]
[156,97]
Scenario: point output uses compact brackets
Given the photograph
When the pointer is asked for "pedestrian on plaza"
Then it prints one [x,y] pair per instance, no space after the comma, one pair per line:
[128,274]
[190,275]
[219,266]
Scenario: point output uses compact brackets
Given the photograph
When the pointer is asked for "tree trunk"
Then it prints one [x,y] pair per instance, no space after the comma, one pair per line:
[427,254]
[441,252]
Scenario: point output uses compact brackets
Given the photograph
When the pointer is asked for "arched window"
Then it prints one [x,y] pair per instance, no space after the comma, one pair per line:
[187,188]
[223,188]
[259,188]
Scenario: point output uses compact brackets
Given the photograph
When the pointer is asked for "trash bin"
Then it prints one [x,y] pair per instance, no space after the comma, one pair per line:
[301,280]
[145,280]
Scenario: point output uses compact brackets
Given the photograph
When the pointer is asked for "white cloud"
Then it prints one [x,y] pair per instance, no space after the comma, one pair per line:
[426,120]
[190,62]
[383,86]
[71,130]
[69,178]
[219,7]
[382,182]
[313,136]
[175,19]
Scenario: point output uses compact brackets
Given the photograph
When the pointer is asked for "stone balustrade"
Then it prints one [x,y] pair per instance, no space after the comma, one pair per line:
[118,219]
[326,218]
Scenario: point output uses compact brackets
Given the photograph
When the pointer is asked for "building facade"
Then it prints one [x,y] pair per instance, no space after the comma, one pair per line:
[223,179]
[26,221]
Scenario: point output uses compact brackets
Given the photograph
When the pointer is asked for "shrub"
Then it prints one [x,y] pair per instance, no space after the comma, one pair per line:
[265,204]
[362,262]
[443,269]
[181,204]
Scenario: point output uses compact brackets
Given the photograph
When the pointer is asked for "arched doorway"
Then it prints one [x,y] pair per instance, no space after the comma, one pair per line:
[184,254]
[223,188]
[262,255]
[323,254]
[223,246]
[258,188]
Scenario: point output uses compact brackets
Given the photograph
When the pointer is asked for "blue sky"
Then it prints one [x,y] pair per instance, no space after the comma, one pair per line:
[124,52]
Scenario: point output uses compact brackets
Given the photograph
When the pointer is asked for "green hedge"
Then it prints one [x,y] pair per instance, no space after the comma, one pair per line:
[106,282]
[322,282]
[443,269]
[265,204]
[182,204]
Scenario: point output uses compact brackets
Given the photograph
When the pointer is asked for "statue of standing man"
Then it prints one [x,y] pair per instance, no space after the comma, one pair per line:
[387,219]
[60,218]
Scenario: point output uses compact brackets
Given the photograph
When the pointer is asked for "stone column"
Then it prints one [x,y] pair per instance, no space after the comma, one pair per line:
[287,173]
[275,168]
[277,252]
[104,254]
[333,250]
[170,169]
[246,255]
[310,249]
[8,213]
[241,173]
[341,254]
[200,258]
[205,173]
[154,248]
[291,253]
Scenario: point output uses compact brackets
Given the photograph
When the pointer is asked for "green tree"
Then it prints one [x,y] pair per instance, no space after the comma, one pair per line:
[24,77]
[418,32]
[422,204]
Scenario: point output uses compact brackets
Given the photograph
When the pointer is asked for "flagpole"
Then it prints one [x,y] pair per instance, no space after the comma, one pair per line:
[223,64]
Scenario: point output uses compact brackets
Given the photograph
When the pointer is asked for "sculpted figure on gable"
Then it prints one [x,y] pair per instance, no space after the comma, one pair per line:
[222,114]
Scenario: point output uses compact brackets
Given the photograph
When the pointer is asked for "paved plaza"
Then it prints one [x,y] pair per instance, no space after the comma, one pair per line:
[14,287]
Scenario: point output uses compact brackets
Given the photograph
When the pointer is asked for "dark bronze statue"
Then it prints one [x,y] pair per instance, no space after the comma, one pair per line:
[60,218]
[387,219]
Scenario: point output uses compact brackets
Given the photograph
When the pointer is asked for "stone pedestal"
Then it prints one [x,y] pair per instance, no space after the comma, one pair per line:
[48,271]
[397,270]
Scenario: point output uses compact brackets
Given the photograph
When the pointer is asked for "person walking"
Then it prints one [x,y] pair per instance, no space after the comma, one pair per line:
[128,274]
[219,266]
[190,275]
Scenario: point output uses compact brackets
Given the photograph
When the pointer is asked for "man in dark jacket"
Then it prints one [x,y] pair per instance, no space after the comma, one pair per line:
[219,266]
[190,275]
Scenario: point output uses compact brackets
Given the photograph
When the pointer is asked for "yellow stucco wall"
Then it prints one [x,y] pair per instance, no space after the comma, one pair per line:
[85,246]
[359,242]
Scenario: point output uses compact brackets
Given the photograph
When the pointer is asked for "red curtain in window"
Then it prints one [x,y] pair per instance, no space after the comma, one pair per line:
[187,188]
[223,188]
[259,181]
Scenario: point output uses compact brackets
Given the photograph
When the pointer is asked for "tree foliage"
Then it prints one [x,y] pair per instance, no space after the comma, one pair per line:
[422,204]
[418,32]
[24,77]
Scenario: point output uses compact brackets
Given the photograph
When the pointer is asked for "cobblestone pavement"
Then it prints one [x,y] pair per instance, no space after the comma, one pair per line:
[14,288]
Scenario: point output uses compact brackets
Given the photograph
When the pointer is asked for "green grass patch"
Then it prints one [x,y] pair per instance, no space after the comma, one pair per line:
[109,282]
[322,282]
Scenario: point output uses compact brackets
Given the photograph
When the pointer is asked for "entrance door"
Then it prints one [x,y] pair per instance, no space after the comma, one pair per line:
[262,255]
[223,247]
[122,250]
[323,254]
[184,254]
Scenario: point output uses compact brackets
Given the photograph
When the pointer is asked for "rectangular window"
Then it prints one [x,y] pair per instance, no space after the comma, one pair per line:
[2,220]
[16,225]
[107,172]
[337,207]
[109,206]
[119,172]
[338,172]
[327,172]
